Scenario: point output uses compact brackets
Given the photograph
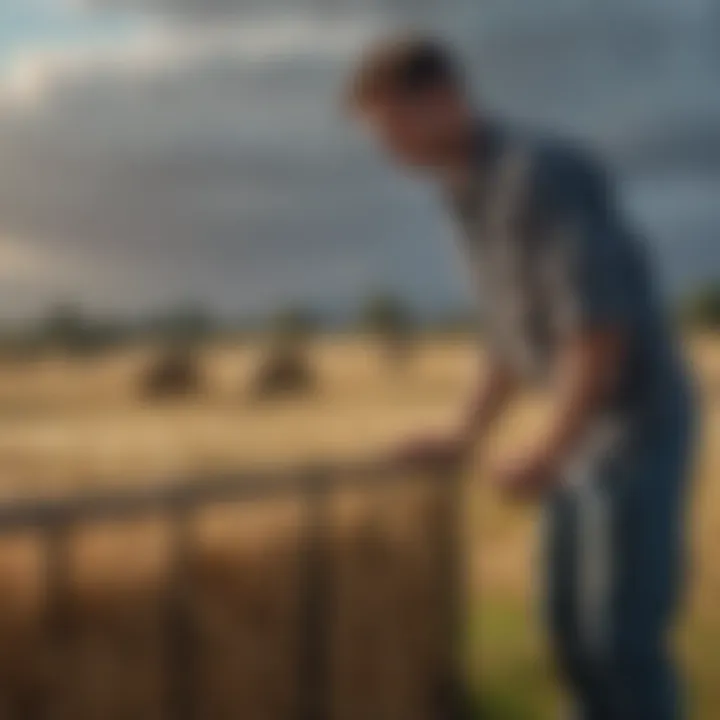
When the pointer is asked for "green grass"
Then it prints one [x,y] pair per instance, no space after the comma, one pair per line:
[509,671]
[512,679]
[700,648]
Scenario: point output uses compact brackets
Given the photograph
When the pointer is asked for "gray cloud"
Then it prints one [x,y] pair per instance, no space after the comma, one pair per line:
[226,173]
[212,11]
[225,181]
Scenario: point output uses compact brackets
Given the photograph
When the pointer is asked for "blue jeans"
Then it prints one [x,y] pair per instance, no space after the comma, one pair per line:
[614,576]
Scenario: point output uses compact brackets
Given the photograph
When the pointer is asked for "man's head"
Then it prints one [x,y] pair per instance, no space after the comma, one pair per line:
[411,93]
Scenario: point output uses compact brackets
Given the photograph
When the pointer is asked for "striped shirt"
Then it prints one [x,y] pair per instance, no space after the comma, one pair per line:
[553,255]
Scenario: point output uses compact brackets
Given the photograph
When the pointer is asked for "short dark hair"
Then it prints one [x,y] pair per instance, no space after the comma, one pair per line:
[401,66]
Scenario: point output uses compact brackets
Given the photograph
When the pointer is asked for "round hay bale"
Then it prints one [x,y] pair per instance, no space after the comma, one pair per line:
[174,373]
[283,372]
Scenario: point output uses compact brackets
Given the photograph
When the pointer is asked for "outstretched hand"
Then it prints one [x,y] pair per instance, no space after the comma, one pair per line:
[526,478]
[432,451]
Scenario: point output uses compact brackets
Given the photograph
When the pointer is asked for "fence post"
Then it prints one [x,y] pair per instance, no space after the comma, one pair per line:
[453,701]
[57,554]
[181,640]
[314,650]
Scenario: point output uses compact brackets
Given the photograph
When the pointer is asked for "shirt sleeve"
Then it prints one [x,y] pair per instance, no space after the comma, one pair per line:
[586,257]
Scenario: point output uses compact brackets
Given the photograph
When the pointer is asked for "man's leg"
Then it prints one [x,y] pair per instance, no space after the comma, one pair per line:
[630,522]
[562,566]
[614,552]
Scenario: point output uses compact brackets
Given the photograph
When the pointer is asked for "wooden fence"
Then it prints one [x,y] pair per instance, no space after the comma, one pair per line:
[55,523]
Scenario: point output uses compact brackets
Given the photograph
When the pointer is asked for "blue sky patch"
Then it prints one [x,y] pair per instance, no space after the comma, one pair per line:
[27,24]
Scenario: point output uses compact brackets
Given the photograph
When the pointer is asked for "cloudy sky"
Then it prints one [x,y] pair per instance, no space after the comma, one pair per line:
[163,151]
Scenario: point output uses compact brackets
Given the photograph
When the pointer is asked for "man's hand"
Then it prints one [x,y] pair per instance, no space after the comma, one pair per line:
[495,389]
[433,451]
[528,477]
[587,369]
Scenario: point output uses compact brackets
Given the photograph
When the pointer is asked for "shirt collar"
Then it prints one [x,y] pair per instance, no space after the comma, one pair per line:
[486,148]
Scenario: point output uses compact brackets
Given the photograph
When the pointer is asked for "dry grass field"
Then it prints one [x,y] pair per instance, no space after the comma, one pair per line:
[70,424]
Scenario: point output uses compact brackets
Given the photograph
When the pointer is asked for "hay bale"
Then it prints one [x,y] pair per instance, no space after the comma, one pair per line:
[173,373]
[283,372]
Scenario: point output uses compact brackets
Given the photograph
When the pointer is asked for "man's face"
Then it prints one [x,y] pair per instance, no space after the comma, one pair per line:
[418,131]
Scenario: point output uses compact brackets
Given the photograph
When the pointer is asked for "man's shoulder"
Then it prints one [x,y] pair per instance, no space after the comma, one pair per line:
[558,168]
[556,161]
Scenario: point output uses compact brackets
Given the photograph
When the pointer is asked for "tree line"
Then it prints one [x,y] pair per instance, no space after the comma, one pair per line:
[68,327]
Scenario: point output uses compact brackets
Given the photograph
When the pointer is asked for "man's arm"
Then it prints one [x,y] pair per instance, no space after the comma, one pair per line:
[494,391]
[587,373]
[592,308]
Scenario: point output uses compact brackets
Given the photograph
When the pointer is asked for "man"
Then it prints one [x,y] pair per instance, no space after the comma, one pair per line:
[567,300]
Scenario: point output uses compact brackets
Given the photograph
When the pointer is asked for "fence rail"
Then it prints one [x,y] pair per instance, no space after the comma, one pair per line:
[56,521]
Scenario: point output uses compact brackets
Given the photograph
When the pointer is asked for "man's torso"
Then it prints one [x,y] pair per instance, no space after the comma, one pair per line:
[527,224]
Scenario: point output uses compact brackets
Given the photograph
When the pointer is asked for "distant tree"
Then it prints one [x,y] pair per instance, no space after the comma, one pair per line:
[20,344]
[184,326]
[391,322]
[702,307]
[460,323]
[293,325]
[66,327]
[384,314]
